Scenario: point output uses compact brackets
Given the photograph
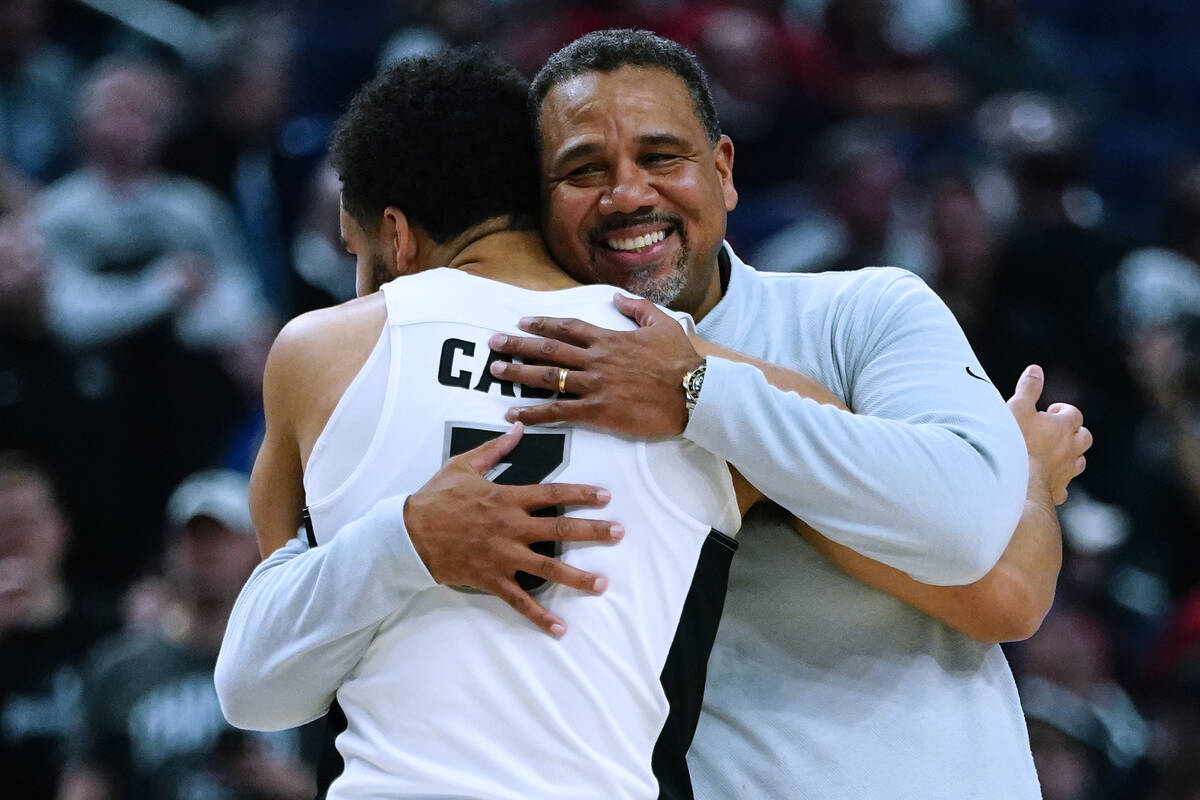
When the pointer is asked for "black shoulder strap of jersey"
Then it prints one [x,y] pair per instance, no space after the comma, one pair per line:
[308,527]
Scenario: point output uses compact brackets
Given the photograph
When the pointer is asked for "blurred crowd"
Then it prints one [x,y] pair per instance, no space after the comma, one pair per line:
[165,205]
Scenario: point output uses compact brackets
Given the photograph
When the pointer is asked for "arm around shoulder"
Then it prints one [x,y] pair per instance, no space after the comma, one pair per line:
[927,475]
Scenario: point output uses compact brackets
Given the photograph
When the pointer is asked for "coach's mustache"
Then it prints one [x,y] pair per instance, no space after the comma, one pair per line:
[618,222]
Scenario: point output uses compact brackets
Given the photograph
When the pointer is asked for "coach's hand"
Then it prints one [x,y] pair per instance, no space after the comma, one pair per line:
[1056,437]
[626,381]
[472,532]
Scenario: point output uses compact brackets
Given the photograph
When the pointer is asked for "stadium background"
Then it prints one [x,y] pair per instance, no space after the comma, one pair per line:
[1036,161]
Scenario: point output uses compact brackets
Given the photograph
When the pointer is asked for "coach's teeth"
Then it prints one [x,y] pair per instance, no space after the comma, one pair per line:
[637,242]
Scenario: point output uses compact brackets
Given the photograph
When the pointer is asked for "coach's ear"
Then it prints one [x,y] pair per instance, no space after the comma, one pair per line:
[397,241]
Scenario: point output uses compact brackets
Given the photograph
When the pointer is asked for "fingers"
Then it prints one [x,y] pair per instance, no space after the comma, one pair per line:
[487,455]
[545,495]
[571,331]
[641,311]
[571,529]
[544,377]
[1029,386]
[1072,414]
[541,350]
[508,591]
[556,571]
[1083,440]
[555,411]
[1080,466]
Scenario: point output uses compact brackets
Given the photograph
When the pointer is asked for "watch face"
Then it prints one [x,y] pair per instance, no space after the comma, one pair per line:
[695,383]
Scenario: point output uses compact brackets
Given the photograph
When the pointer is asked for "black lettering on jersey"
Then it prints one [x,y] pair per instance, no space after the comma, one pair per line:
[463,378]
[486,380]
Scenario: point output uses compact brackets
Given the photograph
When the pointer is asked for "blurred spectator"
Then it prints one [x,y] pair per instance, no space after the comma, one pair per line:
[233,144]
[152,725]
[876,77]
[534,29]
[321,259]
[866,218]
[745,52]
[35,373]
[42,409]
[998,50]
[1054,277]
[35,94]
[1087,736]
[1158,302]
[44,631]
[965,252]
[130,243]
[429,25]
[1174,689]
[149,284]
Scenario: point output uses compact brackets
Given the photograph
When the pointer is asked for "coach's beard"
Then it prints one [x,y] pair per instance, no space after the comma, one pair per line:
[665,288]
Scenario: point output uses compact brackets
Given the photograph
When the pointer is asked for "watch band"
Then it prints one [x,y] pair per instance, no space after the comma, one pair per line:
[693,382]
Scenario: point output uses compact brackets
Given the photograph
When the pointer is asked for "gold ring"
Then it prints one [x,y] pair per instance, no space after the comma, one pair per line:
[562,379]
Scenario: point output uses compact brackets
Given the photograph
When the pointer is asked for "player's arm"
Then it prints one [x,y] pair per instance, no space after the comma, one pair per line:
[1011,600]
[305,616]
[276,482]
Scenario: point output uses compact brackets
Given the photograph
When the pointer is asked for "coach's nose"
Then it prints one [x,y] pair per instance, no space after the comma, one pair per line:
[630,191]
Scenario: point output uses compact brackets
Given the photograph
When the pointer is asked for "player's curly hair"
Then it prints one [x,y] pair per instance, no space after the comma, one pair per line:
[444,138]
[607,51]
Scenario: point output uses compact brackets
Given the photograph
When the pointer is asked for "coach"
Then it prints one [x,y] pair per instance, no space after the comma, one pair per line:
[820,686]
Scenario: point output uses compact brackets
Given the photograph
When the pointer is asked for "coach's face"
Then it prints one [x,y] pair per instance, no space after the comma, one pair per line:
[634,194]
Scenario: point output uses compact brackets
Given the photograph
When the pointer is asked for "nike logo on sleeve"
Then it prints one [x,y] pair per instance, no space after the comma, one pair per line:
[977,377]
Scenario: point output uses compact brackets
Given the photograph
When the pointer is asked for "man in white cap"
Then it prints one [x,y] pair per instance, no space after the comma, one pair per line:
[151,716]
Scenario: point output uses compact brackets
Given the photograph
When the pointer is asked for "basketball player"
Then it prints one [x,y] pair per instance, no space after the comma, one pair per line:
[370,398]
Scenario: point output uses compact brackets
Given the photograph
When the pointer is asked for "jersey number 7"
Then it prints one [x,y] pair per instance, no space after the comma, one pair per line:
[538,457]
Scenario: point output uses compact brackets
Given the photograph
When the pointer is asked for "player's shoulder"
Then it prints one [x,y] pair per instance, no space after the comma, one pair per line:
[315,347]
[328,329]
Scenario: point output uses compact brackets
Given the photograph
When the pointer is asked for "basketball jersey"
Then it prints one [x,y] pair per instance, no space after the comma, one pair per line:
[458,695]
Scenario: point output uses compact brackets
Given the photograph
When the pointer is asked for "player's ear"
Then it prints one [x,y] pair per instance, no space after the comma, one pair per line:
[397,240]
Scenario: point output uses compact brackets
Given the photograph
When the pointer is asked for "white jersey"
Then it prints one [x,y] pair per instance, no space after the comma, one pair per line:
[457,695]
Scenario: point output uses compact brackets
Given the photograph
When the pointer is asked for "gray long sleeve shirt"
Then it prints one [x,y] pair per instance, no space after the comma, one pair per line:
[820,687]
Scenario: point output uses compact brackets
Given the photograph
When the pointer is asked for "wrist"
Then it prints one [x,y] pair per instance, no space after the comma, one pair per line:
[1040,490]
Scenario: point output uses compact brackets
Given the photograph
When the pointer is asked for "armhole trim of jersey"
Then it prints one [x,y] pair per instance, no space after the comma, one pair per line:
[394,332]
